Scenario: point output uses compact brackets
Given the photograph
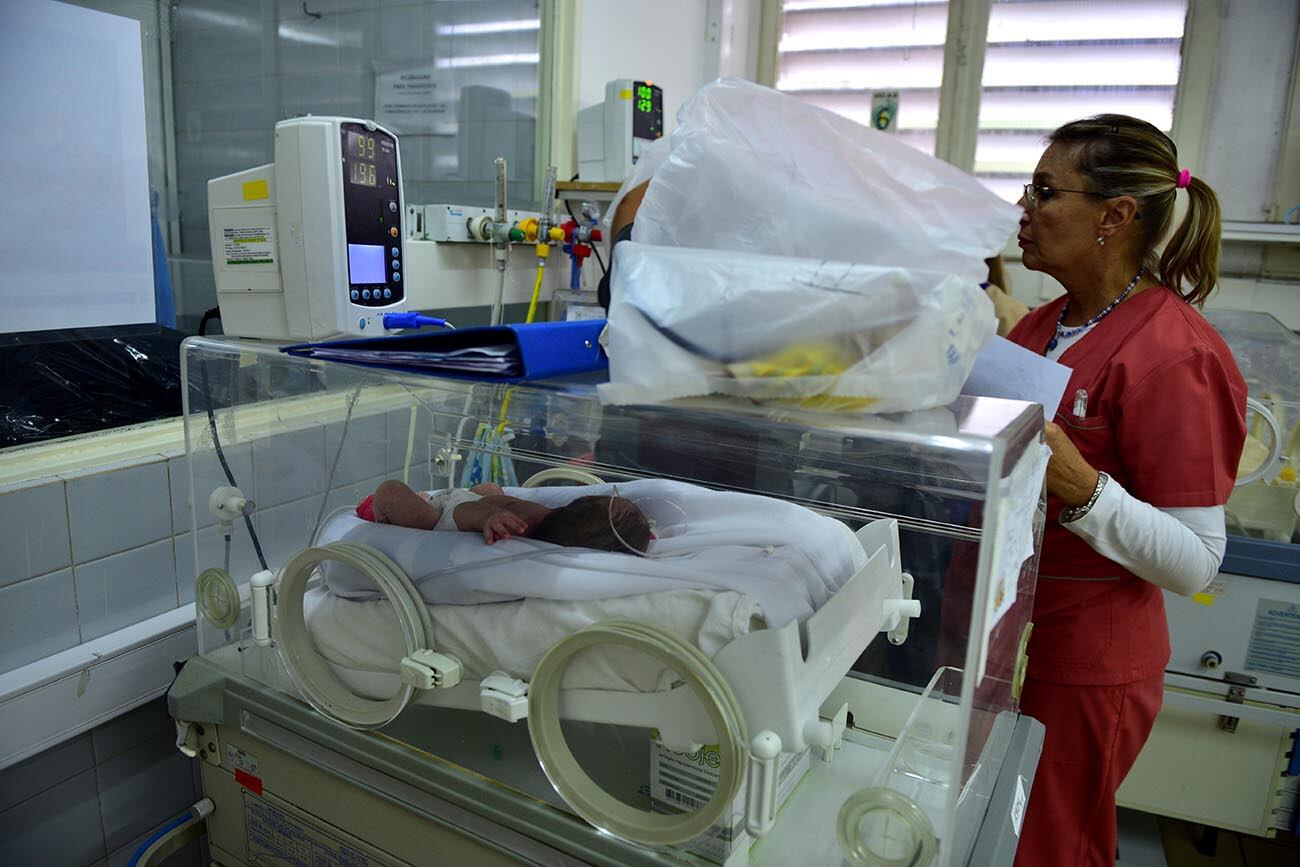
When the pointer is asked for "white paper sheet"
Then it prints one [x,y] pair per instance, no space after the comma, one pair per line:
[1018,498]
[1004,369]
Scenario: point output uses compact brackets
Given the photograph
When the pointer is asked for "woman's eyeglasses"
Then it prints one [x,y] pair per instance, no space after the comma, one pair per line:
[1036,192]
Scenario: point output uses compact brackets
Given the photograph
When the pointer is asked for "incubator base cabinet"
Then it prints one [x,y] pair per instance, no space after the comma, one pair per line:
[816,659]
[1224,749]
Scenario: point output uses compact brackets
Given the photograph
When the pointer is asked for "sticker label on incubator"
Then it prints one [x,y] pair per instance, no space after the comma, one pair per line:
[242,761]
[1018,805]
[279,839]
[1275,640]
[249,245]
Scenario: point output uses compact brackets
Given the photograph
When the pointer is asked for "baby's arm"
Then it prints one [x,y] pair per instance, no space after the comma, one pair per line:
[499,516]
[395,503]
[493,517]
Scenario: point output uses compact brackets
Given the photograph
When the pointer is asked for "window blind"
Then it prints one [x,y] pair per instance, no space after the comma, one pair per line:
[837,54]
[1048,62]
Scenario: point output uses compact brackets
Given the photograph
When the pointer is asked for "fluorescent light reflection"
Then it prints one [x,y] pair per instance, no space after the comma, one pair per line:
[488,60]
[488,27]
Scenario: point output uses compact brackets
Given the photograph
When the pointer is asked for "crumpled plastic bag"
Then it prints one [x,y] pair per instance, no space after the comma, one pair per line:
[832,335]
[752,172]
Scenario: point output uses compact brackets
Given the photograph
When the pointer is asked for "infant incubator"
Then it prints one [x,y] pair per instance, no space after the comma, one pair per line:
[817,660]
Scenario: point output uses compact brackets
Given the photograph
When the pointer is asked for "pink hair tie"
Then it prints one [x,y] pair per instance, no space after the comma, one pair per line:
[1184,179]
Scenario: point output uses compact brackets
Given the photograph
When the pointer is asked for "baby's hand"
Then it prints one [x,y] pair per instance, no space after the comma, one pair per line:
[502,525]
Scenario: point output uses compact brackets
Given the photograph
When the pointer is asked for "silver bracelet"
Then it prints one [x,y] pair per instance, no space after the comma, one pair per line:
[1074,513]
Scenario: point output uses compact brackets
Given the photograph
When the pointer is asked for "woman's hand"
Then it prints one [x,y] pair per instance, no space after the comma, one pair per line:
[502,525]
[1069,476]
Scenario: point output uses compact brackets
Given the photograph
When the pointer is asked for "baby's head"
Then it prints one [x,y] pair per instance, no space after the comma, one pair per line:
[592,522]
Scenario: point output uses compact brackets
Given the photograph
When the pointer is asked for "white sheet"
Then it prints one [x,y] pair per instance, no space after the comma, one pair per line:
[364,637]
[788,558]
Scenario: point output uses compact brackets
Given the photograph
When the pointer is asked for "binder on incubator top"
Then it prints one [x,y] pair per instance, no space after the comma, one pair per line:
[503,353]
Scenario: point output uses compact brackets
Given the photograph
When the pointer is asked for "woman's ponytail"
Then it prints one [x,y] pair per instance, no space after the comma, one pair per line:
[1192,254]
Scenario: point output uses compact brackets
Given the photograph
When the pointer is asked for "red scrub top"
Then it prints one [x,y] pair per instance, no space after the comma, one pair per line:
[1164,417]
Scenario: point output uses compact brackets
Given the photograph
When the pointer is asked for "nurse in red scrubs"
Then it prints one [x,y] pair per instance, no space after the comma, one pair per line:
[1145,446]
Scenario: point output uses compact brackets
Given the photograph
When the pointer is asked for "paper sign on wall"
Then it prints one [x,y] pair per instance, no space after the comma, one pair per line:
[411,99]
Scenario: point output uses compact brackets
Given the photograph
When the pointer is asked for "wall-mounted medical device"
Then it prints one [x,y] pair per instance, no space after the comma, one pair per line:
[611,134]
[313,244]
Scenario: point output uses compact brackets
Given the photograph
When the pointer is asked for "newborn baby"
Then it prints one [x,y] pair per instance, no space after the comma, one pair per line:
[605,523]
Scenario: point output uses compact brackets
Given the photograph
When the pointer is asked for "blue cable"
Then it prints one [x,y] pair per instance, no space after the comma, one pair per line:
[413,320]
[153,838]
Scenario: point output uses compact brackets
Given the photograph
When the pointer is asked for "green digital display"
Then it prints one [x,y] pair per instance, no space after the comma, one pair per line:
[644,98]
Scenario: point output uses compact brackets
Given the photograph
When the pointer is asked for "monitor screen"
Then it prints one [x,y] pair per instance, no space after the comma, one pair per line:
[366,264]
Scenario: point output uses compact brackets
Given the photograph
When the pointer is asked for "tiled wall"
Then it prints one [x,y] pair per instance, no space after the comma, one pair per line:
[92,801]
[91,552]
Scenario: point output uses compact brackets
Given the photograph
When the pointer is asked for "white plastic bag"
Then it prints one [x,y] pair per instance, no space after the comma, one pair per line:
[784,252]
[754,170]
[689,322]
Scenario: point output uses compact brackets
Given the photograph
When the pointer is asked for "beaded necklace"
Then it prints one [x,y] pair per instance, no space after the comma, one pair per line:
[1063,333]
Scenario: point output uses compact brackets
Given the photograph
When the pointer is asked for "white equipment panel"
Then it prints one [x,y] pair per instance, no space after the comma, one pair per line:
[311,246]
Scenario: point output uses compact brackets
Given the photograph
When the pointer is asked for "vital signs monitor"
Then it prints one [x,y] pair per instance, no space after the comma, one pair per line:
[311,245]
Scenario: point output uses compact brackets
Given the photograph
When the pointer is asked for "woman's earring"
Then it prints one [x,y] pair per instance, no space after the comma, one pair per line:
[1101,240]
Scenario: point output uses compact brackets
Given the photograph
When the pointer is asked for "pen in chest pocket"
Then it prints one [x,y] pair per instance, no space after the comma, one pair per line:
[1080,404]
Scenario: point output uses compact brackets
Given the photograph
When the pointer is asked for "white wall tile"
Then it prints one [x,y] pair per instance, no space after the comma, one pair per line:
[141,788]
[230,104]
[289,466]
[329,44]
[38,617]
[118,509]
[347,496]
[222,52]
[399,431]
[286,530]
[365,449]
[59,826]
[208,476]
[33,530]
[29,778]
[125,588]
[148,722]
[212,553]
[405,32]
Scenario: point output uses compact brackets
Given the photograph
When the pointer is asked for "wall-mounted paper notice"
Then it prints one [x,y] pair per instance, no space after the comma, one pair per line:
[76,244]
[1004,369]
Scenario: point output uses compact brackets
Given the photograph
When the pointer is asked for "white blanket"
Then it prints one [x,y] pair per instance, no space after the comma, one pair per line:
[788,558]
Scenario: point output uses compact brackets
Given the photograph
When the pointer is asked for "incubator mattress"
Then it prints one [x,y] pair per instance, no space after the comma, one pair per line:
[362,641]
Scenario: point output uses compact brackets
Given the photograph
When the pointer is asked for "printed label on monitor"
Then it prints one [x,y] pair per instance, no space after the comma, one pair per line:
[249,245]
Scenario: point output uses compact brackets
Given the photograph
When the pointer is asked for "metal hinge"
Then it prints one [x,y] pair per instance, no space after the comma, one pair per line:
[1237,684]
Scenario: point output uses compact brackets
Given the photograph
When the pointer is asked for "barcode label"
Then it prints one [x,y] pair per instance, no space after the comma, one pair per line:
[684,800]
